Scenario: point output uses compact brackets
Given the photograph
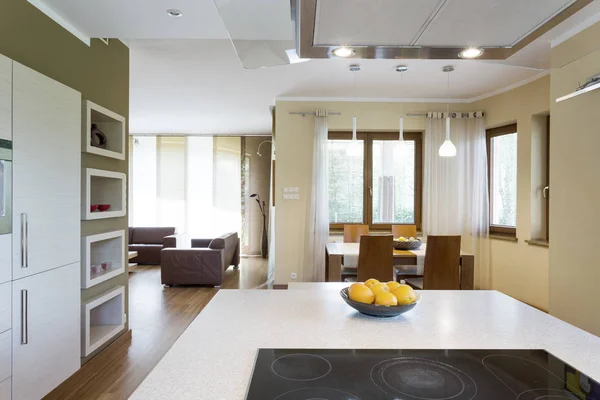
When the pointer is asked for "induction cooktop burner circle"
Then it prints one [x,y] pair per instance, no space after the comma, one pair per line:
[422,379]
[301,367]
[316,393]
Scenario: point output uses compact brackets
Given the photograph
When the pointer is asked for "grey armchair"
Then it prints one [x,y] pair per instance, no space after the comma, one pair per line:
[203,264]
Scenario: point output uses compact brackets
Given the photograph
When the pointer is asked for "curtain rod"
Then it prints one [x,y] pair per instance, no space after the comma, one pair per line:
[303,113]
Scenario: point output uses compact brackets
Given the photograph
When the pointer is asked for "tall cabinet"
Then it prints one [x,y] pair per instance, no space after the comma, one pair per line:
[45,293]
[5,240]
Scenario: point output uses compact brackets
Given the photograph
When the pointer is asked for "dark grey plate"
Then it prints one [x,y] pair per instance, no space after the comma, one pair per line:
[375,310]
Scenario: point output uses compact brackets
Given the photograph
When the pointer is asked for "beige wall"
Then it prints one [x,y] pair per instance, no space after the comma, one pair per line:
[518,269]
[260,181]
[294,143]
[99,72]
[575,194]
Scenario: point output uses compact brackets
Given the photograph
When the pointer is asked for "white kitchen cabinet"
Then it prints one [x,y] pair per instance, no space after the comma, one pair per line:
[5,258]
[5,307]
[5,98]
[5,390]
[46,173]
[46,331]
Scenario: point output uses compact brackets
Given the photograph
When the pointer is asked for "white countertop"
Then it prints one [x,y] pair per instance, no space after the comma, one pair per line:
[214,357]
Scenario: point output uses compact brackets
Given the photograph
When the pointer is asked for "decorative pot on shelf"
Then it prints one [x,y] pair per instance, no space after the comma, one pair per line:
[98,137]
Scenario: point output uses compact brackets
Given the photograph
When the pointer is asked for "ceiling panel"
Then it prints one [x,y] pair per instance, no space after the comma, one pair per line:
[175,88]
[488,23]
[369,22]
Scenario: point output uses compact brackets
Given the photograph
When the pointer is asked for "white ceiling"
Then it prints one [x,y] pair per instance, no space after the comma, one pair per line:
[176,88]
[189,79]
[148,19]
[430,22]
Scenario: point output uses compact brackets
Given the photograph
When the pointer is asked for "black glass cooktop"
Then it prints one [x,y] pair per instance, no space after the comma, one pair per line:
[288,374]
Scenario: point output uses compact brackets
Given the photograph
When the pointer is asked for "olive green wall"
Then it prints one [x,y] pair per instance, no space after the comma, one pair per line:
[99,72]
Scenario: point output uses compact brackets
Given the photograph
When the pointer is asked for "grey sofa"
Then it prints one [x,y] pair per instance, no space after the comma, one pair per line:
[149,242]
[203,264]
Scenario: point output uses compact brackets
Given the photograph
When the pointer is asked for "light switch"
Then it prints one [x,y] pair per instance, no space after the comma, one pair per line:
[287,190]
[295,190]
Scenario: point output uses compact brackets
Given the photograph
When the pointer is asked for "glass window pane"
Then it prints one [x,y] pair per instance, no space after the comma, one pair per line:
[393,182]
[345,181]
[504,180]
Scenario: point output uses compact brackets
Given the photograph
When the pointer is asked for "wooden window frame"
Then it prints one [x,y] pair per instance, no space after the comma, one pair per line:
[489,135]
[368,137]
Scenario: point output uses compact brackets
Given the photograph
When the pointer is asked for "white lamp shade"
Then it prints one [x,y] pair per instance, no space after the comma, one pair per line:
[447,149]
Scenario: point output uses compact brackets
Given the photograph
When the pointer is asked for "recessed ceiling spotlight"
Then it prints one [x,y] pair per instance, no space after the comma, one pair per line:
[174,13]
[401,68]
[471,52]
[343,52]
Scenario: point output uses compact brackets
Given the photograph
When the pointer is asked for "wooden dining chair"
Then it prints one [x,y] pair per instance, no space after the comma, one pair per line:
[376,258]
[404,230]
[352,233]
[442,265]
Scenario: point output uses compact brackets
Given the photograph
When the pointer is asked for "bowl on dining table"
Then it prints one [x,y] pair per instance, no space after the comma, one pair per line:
[376,310]
[407,245]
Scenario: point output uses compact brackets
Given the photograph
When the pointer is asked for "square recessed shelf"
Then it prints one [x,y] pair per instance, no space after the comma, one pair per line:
[112,126]
[102,319]
[103,248]
[103,187]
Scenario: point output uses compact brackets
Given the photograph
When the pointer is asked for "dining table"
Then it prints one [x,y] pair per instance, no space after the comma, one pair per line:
[336,251]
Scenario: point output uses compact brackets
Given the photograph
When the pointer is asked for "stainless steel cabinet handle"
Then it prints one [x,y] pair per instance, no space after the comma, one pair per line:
[545,191]
[24,241]
[24,317]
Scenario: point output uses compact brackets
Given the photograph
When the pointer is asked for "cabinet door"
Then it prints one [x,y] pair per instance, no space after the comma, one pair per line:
[5,98]
[46,173]
[46,326]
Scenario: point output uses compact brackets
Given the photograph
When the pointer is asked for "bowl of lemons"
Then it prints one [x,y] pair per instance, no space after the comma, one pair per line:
[403,243]
[380,299]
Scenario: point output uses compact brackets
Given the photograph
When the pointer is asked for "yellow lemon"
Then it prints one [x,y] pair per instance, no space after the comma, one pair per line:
[371,282]
[359,292]
[392,285]
[379,287]
[405,295]
[386,299]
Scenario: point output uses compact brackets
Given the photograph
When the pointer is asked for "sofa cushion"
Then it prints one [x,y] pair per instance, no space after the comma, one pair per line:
[131,235]
[217,243]
[151,235]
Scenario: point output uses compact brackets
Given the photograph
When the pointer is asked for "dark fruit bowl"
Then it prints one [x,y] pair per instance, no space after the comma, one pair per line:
[103,207]
[375,310]
[93,207]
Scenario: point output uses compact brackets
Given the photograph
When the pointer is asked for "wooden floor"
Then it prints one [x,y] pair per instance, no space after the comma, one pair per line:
[157,317]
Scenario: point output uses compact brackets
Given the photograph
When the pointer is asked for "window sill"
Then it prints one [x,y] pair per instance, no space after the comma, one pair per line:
[538,242]
[505,237]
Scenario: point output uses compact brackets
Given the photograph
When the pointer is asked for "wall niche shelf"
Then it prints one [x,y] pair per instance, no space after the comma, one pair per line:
[102,318]
[110,123]
[97,249]
[103,187]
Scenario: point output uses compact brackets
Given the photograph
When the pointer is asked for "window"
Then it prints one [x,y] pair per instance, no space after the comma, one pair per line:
[502,170]
[192,183]
[377,182]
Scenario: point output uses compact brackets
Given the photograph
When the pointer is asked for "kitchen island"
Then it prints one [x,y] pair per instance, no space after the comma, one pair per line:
[214,358]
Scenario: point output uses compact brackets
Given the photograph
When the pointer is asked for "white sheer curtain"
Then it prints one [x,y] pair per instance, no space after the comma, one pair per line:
[191,183]
[318,215]
[455,189]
